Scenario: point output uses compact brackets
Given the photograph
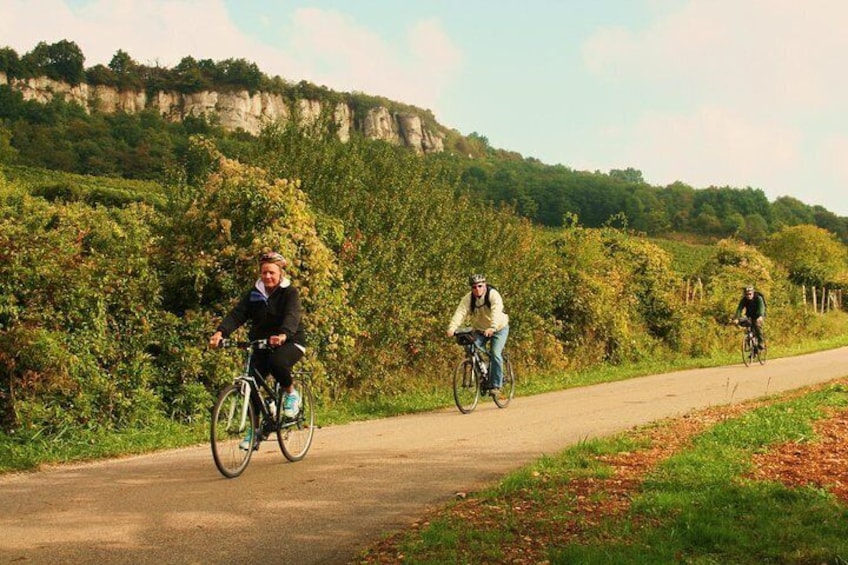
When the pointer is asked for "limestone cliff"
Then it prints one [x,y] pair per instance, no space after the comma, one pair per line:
[236,110]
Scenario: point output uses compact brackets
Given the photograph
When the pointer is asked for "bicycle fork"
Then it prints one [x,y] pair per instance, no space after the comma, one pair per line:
[243,409]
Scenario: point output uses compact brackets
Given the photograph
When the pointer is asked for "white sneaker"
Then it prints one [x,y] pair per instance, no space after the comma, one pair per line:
[291,404]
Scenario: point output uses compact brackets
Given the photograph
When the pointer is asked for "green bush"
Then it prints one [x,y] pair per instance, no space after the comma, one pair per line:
[79,301]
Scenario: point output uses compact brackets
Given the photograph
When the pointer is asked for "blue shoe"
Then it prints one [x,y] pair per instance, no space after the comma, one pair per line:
[291,404]
[248,439]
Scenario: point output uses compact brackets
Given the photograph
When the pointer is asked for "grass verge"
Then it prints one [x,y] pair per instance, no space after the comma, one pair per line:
[21,452]
[699,489]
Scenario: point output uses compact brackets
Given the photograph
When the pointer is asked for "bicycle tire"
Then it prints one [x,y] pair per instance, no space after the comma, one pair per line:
[228,431]
[503,398]
[747,350]
[295,435]
[761,356]
[466,386]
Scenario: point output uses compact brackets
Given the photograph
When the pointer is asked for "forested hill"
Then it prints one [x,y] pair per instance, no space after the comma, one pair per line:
[134,120]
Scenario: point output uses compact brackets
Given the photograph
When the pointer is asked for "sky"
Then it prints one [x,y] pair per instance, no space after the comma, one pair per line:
[739,93]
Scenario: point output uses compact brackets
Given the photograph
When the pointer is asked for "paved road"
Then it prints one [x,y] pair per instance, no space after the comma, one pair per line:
[358,481]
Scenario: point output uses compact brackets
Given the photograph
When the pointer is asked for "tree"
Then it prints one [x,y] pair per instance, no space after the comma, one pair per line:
[239,72]
[10,63]
[756,229]
[122,63]
[812,255]
[628,175]
[127,71]
[788,211]
[8,154]
[100,74]
[62,61]
[831,222]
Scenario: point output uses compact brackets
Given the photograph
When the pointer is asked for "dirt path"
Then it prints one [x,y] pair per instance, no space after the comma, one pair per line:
[358,482]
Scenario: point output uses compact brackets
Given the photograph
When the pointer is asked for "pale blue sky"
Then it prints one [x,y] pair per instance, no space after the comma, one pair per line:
[708,92]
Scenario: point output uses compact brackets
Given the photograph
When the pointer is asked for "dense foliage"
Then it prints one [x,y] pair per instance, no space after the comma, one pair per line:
[64,137]
[547,194]
[109,287]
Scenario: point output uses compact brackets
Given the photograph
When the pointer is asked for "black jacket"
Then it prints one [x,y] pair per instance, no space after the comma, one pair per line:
[279,313]
[754,307]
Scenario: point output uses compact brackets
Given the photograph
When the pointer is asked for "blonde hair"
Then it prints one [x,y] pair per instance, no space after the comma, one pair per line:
[273,257]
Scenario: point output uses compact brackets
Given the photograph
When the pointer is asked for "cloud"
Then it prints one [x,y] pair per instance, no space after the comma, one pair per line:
[712,146]
[735,92]
[335,50]
[777,53]
[326,47]
[152,32]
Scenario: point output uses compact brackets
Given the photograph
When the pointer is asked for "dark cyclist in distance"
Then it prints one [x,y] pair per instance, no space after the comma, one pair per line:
[753,305]
[483,307]
[273,309]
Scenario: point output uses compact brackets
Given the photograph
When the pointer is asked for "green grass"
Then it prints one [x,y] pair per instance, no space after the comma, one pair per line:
[698,506]
[19,453]
[24,452]
[108,191]
[701,508]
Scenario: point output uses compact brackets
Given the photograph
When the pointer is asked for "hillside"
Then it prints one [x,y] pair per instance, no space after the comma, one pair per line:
[233,99]
[125,237]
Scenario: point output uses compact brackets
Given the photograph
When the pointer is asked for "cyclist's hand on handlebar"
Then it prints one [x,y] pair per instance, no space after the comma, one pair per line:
[215,340]
[450,333]
[489,332]
[277,340]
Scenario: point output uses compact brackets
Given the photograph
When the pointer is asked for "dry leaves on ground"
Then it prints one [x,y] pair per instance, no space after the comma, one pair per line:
[589,500]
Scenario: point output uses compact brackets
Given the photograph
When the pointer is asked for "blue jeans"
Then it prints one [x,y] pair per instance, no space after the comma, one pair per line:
[498,340]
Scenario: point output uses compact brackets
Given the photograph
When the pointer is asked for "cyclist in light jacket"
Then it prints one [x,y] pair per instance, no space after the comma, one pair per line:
[483,307]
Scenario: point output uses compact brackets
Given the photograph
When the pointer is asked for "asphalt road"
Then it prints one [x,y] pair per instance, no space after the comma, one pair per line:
[358,481]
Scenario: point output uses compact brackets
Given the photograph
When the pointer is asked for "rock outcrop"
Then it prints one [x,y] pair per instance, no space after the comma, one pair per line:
[234,110]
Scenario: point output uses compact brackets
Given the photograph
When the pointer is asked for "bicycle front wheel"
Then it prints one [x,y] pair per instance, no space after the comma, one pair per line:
[747,348]
[233,421]
[295,434]
[761,355]
[466,387]
[507,391]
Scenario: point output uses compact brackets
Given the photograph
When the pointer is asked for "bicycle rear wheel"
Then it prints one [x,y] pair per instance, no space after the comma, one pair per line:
[466,386]
[233,420]
[746,350]
[507,391]
[295,435]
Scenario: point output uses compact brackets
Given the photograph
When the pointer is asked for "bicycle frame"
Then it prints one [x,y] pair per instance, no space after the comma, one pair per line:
[481,359]
[252,383]
[472,375]
[752,349]
[243,410]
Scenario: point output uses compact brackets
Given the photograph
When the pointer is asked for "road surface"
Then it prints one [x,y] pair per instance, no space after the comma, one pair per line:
[358,482]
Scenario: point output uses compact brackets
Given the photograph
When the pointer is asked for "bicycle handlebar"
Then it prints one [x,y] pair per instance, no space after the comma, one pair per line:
[464,336]
[258,343]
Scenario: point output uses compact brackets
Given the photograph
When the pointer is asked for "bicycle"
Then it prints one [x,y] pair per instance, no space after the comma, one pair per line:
[471,375]
[751,349]
[234,419]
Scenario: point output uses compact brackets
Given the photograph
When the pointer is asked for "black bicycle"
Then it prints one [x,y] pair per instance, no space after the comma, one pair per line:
[237,430]
[751,349]
[470,379]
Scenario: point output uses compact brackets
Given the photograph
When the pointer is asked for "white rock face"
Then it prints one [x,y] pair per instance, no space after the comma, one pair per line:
[235,110]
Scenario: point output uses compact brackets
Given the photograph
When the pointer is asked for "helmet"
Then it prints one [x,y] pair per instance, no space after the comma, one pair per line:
[749,289]
[476,279]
